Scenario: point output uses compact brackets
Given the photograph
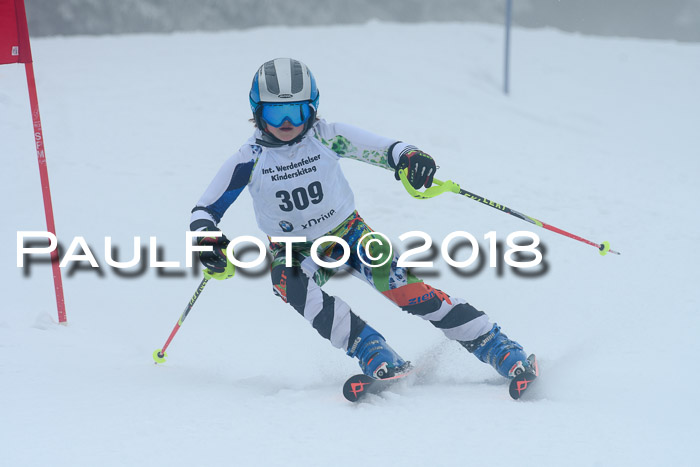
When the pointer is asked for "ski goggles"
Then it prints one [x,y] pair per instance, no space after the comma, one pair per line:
[296,113]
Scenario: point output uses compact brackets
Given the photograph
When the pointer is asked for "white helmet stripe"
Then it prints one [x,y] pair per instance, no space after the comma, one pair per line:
[284,80]
[284,75]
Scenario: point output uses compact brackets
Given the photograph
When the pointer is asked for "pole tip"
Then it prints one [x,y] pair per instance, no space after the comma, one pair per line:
[159,356]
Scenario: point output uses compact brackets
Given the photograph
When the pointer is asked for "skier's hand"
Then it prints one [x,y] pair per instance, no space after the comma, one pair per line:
[217,264]
[421,168]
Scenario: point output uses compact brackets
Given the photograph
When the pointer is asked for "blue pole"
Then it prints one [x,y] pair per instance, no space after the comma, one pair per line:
[506,68]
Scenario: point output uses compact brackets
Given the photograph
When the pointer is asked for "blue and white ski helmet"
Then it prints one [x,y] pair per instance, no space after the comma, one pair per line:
[283,81]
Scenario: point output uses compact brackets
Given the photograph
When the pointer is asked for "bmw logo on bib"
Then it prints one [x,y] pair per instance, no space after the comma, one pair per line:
[286,226]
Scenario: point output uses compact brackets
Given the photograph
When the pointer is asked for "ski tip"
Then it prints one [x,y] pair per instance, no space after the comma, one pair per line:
[520,384]
[356,387]
[359,385]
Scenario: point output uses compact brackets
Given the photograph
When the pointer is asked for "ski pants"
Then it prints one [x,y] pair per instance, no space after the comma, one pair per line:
[300,286]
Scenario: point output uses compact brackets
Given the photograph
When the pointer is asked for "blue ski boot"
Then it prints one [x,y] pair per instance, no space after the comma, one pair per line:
[505,355]
[377,359]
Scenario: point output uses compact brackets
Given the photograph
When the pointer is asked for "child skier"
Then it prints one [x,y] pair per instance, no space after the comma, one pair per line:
[291,168]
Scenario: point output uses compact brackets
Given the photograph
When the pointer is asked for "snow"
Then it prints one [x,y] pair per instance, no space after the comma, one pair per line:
[599,137]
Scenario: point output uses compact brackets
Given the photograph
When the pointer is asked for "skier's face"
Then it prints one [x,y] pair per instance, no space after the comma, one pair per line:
[286,132]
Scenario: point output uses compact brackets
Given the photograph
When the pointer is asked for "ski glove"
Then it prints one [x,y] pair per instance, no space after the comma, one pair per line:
[421,168]
[217,264]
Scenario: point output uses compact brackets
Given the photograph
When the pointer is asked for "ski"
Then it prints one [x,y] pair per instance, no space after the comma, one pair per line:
[358,386]
[522,382]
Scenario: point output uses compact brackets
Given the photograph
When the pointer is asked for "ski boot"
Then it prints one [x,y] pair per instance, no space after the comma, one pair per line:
[505,355]
[377,359]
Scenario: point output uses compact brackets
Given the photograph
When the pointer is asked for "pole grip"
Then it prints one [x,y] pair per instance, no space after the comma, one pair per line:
[439,187]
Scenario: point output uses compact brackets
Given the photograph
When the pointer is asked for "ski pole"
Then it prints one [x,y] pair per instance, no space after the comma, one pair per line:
[159,355]
[450,186]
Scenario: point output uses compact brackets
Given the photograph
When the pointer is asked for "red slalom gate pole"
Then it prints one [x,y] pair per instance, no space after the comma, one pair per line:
[15,48]
[45,189]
